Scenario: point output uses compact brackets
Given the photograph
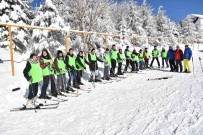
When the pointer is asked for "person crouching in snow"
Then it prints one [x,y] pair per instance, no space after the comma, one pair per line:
[80,64]
[60,71]
[187,57]
[92,58]
[47,66]
[107,63]
[33,75]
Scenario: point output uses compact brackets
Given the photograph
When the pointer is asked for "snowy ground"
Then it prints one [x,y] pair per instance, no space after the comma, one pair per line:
[133,106]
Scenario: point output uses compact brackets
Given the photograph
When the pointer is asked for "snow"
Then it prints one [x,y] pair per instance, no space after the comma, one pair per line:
[132,106]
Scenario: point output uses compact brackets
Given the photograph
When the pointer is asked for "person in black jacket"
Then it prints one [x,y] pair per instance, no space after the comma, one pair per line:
[93,66]
[80,64]
[70,62]
[33,75]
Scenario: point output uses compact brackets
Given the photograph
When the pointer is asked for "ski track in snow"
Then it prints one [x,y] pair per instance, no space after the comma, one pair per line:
[132,106]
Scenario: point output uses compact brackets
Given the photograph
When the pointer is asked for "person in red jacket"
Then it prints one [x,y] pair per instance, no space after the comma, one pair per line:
[178,55]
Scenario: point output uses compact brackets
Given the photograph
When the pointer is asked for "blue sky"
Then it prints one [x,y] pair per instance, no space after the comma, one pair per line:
[176,10]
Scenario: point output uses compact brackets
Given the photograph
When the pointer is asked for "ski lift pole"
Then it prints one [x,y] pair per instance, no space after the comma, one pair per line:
[106,41]
[11,50]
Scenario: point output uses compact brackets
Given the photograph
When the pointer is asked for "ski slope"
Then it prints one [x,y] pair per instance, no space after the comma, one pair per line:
[132,106]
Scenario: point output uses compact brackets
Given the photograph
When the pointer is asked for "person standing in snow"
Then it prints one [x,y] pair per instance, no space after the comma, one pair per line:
[187,57]
[92,58]
[107,63]
[164,57]
[120,61]
[70,61]
[134,60]
[170,57]
[48,67]
[155,55]
[113,55]
[60,71]
[80,64]
[141,60]
[33,75]
[146,58]
[178,58]
[128,57]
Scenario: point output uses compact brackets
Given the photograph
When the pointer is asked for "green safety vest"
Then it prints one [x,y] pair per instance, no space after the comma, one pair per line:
[35,72]
[107,59]
[134,57]
[147,54]
[83,62]
[71,61]
[114,54]
[163,54]
[93,57]
[128,54]
[46,71]
[62,66]
[155,53]
[141,58]
[121,56]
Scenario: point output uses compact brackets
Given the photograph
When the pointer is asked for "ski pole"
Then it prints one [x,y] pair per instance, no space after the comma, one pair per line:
[201,64]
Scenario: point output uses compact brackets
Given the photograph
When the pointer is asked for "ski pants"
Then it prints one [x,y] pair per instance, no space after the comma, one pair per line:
[127,64]
[141,64]
[33,90]
[132,63]
[172,64]
[106,72]
[157,59]
[164,60]
[94,74]
[79,76]
[61,82]
[179,65]
[146,63]
[46,80]
[72,77]
[187,66]
[113,66]
[119,68]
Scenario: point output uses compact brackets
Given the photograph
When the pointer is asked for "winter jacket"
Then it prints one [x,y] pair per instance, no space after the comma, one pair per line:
[170,54]
[93,64]
[187,54]
[146,55]
[68,66]
[178,54]
[80,63]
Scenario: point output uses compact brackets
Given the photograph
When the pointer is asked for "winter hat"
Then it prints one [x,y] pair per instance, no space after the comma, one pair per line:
[186,45]
[127,46]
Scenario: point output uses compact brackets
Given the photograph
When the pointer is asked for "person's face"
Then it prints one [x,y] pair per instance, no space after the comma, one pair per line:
[114,47]
[71,52]
[170,48]
[60,54]
[44,53]
[120,51]
[93,51]
[81,54]
[177,47]
[34,58]
[155,48]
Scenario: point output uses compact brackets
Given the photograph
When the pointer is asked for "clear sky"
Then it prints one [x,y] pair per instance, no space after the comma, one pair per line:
[176,10]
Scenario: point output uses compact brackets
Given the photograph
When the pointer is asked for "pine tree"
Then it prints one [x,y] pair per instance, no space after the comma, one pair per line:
[47,16]
[14,11]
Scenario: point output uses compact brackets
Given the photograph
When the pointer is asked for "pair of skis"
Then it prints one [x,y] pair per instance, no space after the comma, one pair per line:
[160,78]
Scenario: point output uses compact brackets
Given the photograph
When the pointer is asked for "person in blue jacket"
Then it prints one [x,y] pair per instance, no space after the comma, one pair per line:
[186,59]
[170,57]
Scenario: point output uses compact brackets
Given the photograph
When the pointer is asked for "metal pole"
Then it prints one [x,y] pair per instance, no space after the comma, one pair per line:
[11,50]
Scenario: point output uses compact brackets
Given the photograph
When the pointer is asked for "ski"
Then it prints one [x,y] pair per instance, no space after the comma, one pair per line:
[37,108]
[16,89]
[70,94]
[160,78]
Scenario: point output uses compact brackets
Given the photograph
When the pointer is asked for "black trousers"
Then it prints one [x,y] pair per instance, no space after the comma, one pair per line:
[46,83]
[179,65]
[33,90]
[172,64]
[157,59]
[132,63]
[164,60]
[119,67]
[113,66]
[79,76]
[146,63]
[136,65]
[127,64]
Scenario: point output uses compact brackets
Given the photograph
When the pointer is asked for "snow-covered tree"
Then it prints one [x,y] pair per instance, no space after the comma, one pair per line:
[47,16]
[14,11]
